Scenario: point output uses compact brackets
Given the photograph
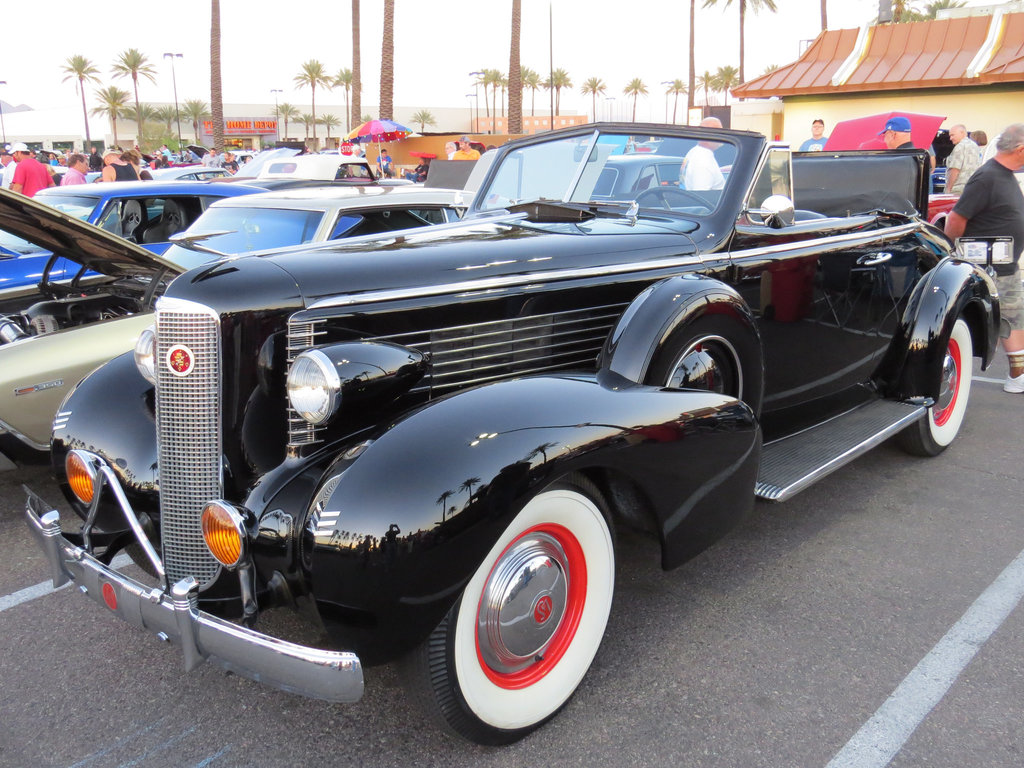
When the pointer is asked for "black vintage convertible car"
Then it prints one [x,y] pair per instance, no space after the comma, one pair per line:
[432,436]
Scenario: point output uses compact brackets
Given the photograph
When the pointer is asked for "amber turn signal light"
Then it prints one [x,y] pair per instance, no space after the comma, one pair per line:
[81,477]
[224,532]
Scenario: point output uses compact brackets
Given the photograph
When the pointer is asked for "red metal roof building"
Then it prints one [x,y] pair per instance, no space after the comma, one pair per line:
[968,68]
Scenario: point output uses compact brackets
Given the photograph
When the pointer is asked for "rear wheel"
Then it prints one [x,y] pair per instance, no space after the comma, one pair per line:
[932,434]
[513,649]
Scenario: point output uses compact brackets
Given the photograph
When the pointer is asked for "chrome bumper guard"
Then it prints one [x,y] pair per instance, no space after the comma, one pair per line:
[172,616]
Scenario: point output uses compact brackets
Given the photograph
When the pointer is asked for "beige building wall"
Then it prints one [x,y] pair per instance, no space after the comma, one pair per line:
[989,109]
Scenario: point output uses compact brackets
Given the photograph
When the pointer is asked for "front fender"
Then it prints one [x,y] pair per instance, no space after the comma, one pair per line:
[400,525]
[913,363]
[111,413]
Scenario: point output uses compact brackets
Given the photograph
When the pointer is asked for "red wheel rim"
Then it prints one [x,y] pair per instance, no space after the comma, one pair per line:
[576,598]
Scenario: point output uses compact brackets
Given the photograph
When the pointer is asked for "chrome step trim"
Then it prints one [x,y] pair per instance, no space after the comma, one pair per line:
[791,464]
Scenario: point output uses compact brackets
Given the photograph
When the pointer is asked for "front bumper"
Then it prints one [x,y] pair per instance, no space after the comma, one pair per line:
[172,616]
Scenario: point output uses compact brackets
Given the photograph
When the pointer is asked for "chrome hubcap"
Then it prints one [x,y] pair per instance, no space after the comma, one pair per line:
[709,364]
[523,603]
[947,387]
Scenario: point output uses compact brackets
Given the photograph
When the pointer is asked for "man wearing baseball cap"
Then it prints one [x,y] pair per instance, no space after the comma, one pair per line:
[896,133]
[30,176]
[465,151]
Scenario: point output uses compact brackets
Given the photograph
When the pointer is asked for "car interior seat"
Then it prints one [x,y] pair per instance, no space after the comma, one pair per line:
[171,220]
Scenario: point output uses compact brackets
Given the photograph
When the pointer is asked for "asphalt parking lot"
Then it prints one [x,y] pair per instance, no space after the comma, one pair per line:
[872,620]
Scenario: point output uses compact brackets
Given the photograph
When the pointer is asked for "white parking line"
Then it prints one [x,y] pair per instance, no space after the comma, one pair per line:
[44,588]
[883,736]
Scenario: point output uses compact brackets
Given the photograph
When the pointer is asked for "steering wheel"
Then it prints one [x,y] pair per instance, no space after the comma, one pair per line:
[664,197]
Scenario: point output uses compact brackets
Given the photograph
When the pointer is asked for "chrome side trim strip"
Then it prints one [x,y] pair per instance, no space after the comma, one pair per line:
[834,242]
[171,615]
[5,427]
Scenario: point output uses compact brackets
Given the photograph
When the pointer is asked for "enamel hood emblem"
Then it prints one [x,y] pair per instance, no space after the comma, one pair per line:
[180,360]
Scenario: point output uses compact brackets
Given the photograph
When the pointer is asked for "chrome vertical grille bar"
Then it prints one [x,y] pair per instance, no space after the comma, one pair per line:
[188,422]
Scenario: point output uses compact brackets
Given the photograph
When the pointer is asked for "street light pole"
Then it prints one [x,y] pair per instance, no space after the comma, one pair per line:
[2,129]
[174,80]
[277,114]
[476,99]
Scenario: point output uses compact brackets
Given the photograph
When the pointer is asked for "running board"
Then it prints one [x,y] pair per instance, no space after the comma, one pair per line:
[791,464]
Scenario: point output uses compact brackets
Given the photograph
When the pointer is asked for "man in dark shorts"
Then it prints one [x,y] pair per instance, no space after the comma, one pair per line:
[992,206]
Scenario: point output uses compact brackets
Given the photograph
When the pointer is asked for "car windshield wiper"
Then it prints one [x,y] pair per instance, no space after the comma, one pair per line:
[559,211]
[194,241]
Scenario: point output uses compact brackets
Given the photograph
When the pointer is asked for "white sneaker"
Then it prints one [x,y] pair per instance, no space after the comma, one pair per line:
[1014,383]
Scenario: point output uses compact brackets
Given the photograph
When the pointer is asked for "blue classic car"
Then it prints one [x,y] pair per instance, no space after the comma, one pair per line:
[144,212]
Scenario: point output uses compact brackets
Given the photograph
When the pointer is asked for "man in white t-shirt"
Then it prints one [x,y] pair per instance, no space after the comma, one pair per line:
[699,169]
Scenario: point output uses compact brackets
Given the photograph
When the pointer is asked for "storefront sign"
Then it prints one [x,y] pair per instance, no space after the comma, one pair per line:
[247,127]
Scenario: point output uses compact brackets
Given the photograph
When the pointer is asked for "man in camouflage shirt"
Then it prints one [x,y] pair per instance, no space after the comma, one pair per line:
[962,161]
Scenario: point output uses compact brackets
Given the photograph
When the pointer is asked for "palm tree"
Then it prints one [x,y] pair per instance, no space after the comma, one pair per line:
[769,69]
[443,501]
[344,80]
[515,73]
[932,9]
[133,63]
[707,83]
[532,81]
[328,122]
[559,79]
[216,94]
[113,104]
[675,88]
[755,6]
[824,15]
[387,63]
[357,84]
[313,74]
[165,115]
[308,120]
[424,117]
[467,485]
[82,70]
[902,12]
[286,111]
[635,88]
[492,78]
[726,78]
[595,87]
[196,111]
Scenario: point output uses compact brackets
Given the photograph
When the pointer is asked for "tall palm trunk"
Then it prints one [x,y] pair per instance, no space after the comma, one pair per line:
[85,114]
[216,96]
[743,14]
[387,63]
[693,73]
[515,73]
[357,82]
[138,111]
[824,15]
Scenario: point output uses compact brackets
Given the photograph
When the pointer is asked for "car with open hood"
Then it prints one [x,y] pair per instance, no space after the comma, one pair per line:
[428,437]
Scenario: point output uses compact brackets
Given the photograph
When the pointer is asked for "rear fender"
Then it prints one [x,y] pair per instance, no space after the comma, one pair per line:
[912,365]
[667,308]
[399,524]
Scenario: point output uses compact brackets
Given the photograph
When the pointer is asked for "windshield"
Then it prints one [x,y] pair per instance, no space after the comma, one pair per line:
[248,229]
[670,173]
[252,169]
[78,206]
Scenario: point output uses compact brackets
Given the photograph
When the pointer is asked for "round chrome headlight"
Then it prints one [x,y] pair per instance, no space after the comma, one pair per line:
[314,387]
[145,349]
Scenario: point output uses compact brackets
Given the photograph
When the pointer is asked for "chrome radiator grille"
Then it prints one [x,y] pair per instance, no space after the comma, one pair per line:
[467,355]
[188,432]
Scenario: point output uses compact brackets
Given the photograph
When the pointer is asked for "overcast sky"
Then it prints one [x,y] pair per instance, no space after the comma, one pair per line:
[436,45]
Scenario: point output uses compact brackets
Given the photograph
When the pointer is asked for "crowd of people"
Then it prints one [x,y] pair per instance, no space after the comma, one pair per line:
[27,171]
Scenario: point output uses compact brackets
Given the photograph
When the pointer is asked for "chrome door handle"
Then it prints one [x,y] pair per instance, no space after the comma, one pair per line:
[871,259]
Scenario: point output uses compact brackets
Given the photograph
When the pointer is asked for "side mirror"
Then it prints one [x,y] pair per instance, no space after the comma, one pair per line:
[776,211]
